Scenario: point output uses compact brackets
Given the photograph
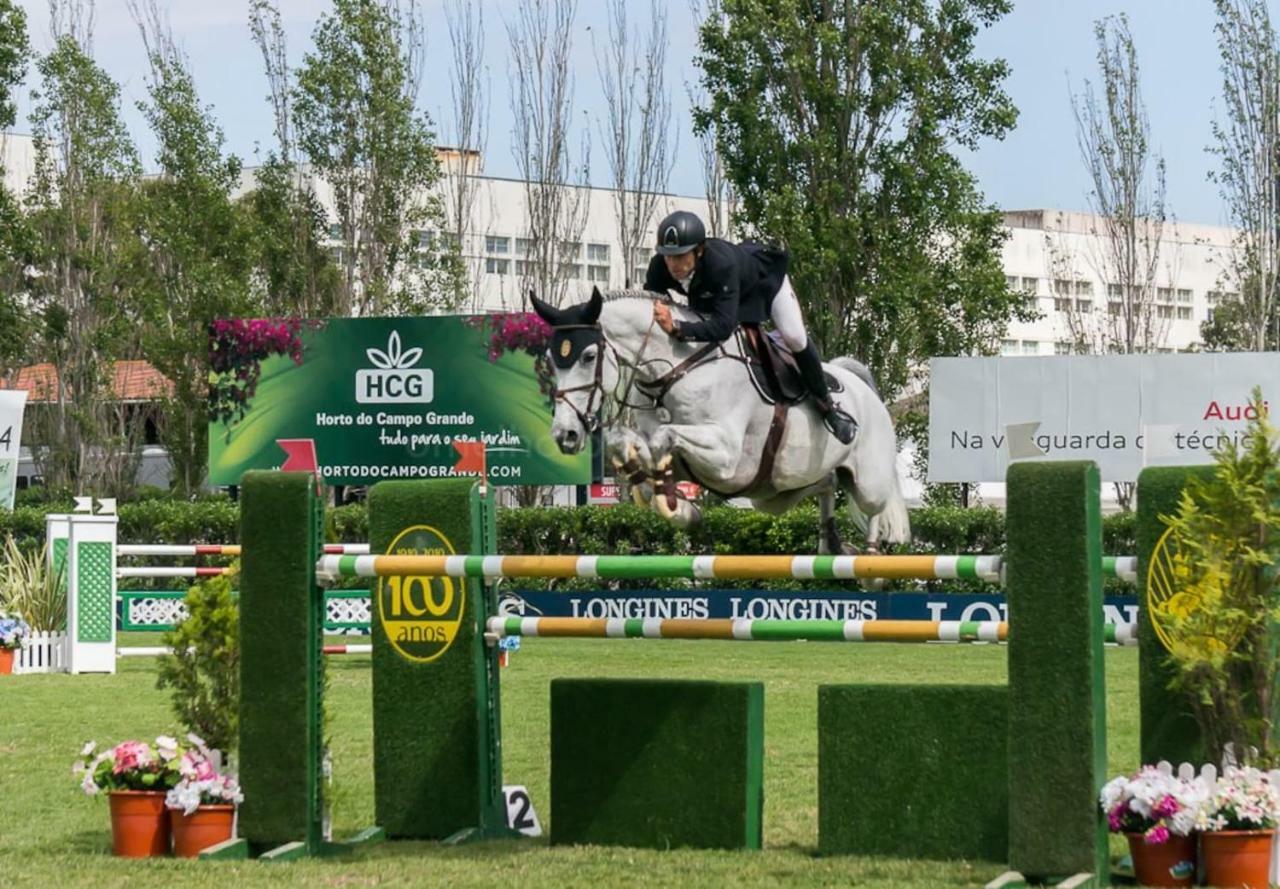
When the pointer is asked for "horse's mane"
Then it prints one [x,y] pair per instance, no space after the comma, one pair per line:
[610,296]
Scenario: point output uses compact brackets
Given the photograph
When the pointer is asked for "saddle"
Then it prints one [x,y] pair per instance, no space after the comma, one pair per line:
[773,368]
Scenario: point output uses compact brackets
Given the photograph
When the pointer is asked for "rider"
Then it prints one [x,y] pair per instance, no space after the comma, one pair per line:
[731,284]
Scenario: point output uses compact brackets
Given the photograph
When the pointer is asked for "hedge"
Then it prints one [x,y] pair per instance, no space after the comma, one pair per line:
[625,528]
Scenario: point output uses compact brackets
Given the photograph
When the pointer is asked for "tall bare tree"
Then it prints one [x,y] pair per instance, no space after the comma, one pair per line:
[635,128]
[1127,193]
[469,91]
[555,177]
[716,186]
[1248,149]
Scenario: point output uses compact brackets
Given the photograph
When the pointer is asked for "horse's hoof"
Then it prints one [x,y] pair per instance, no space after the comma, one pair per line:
[848,549]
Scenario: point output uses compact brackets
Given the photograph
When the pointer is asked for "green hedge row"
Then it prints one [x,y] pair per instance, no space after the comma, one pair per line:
[590,529]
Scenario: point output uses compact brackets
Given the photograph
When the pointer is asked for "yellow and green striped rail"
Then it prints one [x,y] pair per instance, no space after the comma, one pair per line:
[700,567]
[773,630]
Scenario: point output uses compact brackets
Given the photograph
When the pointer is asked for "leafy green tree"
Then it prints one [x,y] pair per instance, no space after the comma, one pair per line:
[14,52]
[837,124]
[193,265]
[79,212]
[354,112]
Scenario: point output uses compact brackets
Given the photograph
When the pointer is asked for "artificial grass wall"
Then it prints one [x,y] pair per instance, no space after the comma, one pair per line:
[280,686]
[657,763]
[427,724]
[1168,731]
[1057,706]
[913,771]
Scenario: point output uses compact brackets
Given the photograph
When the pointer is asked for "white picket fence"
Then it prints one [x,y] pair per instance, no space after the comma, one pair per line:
[1207,775]
[42,653]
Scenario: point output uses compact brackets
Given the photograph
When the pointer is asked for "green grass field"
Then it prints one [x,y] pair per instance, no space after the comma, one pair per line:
[52,835]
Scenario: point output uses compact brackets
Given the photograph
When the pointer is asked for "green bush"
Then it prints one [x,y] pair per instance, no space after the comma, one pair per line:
[204,669]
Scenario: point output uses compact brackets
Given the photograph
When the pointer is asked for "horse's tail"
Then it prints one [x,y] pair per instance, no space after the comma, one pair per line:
[858,369]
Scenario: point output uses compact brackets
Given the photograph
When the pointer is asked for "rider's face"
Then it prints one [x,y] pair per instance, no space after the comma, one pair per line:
[681,266]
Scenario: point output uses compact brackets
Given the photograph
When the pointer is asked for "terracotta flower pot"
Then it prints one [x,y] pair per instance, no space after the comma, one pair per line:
[1237,858]
[6,661]
[139,824]
[206,826]
[1171,863]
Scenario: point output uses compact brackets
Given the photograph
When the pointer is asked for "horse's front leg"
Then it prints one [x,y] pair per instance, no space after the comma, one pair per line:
[706,449]
[628,454]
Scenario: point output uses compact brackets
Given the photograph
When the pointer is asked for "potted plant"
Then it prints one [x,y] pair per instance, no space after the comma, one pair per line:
[1157,812]
[203,804]
[13,630]
[1238,822]
[136,776]
[1220,604]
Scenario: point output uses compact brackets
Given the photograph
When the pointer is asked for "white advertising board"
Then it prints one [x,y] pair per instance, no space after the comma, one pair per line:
[1124,412]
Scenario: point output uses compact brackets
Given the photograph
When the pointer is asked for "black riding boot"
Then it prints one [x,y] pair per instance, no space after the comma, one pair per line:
[841,425]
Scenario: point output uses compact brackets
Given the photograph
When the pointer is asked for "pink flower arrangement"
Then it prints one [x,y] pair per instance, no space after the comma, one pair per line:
[129,765]
[521,332]
[1242,799]
[237,348]
[202,783]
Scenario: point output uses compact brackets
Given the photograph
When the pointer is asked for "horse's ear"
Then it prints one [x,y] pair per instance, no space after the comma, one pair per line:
[592,313]
[546,311]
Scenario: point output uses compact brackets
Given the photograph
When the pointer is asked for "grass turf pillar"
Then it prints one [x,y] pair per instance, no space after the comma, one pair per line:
[1057,704]
[437,768]
[1168,730]
[938,788]
[281,627]
[657,763]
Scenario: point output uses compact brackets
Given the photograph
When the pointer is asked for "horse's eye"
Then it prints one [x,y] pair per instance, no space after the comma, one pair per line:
[590,356]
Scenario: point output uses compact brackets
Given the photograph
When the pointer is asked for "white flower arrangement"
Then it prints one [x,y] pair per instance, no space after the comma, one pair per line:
[1244,799]
[1153,803]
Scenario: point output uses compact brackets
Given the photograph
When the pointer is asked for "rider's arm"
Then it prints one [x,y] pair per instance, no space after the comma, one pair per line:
[718,316]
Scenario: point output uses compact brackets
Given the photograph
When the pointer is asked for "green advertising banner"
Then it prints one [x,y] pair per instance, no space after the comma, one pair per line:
[381,398]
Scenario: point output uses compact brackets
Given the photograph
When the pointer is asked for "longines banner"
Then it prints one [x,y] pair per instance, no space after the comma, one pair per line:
[759,605]
[1123,411]
[11,407]
[381,398]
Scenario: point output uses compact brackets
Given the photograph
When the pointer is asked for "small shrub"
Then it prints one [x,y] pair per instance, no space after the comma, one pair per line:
[203,671]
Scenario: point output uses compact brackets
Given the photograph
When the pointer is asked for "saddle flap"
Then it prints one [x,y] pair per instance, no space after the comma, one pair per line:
[774,370]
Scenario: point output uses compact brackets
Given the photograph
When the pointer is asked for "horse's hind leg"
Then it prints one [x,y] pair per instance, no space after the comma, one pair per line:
[829,541]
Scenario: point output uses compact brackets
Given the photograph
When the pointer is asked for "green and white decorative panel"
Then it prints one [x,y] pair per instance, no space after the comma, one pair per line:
[57,528]
[91,593]
[94,571]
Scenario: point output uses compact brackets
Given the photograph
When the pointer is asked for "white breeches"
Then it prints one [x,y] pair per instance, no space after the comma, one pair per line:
[786,317]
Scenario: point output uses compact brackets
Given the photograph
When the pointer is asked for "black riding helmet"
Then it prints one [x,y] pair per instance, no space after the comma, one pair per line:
[679,233]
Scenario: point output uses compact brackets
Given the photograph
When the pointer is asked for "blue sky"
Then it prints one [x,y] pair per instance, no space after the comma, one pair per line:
[1048,43]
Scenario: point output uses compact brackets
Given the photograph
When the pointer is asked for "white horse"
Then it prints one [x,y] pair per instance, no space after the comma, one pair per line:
[710,426]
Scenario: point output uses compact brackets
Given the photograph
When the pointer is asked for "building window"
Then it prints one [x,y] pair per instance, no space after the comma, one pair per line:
[1115,292]
[1008,347]
[449,241]
[496,266]
[1084,305]
[423,239]
[1062,285]
[1030,347]
[1115,309]
[1013,282]
[1030,285]
[524,246]
[598,273]
[570,250]
[597,253]
[570,270]
[1164,311]
[501,246]
[1061,304]
[1184,296]
[1084,288]
[1164,294]
[525,268]
[1062,348]
[1184,313]
[637,277]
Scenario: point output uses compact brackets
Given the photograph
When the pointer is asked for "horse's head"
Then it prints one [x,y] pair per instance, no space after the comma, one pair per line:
[577,353]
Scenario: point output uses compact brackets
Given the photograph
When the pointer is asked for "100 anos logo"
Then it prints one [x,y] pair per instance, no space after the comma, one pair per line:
[421,615]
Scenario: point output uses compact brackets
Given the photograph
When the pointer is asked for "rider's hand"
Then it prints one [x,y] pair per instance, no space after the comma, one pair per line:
[662,314]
